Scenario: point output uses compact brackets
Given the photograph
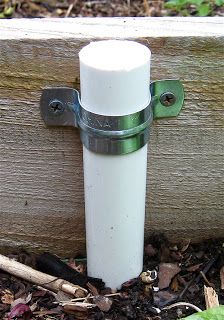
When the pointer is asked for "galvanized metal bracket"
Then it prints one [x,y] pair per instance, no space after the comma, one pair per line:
[59,105]
[167,98]
[111,134]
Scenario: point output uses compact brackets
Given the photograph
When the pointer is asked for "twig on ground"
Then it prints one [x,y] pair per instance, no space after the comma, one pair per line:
[47,290]
[198,278]
[69,10]
[90,297]
[206,280]
[78,304]
[39,278]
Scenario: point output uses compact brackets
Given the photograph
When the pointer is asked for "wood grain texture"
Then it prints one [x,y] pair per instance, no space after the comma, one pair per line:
[41,178]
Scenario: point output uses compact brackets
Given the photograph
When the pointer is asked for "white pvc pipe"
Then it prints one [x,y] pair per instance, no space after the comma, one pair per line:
[115,79]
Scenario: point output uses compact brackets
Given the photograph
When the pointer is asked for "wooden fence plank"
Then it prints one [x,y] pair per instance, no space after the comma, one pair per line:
[41,178]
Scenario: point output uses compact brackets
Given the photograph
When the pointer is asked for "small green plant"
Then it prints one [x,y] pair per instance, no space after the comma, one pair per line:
[210,314]
[200,8]
[7,12]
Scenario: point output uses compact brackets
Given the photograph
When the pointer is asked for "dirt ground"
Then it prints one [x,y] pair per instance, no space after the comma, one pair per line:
[98,8]
[173,273]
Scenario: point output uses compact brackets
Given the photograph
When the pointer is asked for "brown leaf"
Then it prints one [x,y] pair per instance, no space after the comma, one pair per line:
[174,285]
[166,272]
[20,310]
[7,297]
[22,300]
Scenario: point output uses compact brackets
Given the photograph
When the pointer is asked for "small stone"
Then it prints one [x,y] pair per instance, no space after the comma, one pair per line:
[156,289]
[166,273]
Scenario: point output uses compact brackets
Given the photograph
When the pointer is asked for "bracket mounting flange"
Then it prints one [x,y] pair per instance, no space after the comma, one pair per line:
[61,106]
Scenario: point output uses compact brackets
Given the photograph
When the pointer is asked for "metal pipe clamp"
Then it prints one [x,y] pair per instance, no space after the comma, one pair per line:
[111,134]
[114,134]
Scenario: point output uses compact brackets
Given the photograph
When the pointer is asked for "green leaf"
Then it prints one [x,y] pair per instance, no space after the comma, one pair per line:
[210,314]
[175,4]
[219,3]
[9,11]
[204,10]
[196,2]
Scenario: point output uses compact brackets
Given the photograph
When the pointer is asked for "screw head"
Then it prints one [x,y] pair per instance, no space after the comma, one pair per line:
[56,107]
[167,99]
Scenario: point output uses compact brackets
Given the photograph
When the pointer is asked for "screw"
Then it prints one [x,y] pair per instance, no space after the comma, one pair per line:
[56,107]
[167,99]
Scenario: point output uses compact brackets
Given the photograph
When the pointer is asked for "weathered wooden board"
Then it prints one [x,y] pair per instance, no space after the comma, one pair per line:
[41,178]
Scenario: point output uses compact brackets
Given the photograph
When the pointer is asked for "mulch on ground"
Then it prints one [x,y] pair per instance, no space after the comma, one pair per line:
[97,8]
[172,273]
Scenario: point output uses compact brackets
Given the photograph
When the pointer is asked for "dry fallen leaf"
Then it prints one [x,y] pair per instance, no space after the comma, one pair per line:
[166,273]
[21,300]
[174,285]
[7,297]
[20,310]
